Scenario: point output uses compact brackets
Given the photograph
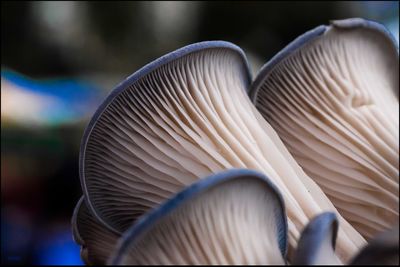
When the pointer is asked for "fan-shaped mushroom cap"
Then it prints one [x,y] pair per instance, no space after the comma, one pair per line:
[382,250]
[96,241]
[317,242]
[332,97]
[180,119]
[233,217]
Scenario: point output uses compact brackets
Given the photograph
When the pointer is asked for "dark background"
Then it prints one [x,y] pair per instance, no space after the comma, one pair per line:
[60,59]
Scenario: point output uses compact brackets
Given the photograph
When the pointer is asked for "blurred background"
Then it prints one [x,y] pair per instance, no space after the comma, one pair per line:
[60,59]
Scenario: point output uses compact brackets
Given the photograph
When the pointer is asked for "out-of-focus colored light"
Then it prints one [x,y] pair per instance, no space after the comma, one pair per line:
[385,12]
[45,103]
[16,235]
[58,249]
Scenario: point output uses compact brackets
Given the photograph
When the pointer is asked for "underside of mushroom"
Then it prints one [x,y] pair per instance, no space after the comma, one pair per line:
[334,103]
[239,220]
[96,241]
[181,119]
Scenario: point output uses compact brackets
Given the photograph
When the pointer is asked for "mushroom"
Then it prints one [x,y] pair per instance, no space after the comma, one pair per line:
[317,242]
[179,119]
[233,217]
[96,241]
[382,250]
[317,245]
[332,97]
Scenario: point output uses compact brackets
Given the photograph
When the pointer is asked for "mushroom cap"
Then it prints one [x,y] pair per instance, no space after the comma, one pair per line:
[382,250]
[96,241]
[213,184]
[180,120]
[75,232]
[317,241]
[121,88]
[311,35]
[339,127]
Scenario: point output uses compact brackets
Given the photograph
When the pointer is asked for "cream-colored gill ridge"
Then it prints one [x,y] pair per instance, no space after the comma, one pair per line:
[232,223]
[333,103]
[184,121]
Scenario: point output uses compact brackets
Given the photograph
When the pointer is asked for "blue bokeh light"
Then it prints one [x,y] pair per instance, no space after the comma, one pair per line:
[58,249]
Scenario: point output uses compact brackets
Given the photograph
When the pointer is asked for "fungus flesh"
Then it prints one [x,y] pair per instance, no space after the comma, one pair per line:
[178,120]
[334,103]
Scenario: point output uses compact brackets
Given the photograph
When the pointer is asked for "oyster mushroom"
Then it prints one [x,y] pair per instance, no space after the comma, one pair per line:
[317,242]
[332,97]
[96,241]
[317,245]
[382,250]
[233,217]
[179,119]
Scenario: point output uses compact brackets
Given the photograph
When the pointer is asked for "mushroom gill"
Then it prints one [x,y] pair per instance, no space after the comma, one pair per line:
[332,97]
[96,241]
[183,117]
[233,217]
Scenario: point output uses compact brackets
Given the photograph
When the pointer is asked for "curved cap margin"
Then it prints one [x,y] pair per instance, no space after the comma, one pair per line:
[302,40]
[131,80]
[313,236]
[147,221]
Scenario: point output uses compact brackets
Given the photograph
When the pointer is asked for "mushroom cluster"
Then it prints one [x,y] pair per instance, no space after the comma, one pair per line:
[179,166]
